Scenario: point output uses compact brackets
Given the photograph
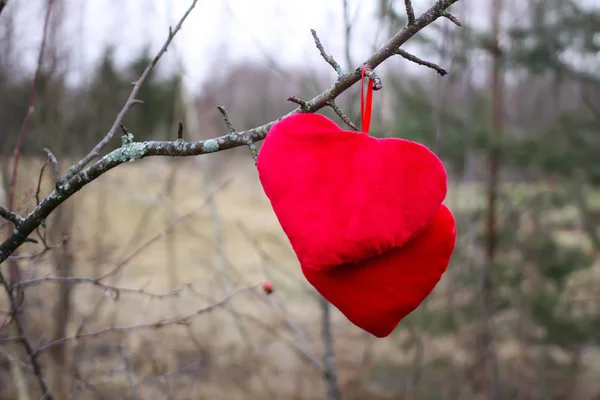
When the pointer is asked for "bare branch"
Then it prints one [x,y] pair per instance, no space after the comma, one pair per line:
[233,133]
[52,159]
[131,100]
[128,369]
[304,105]
[227,119]
[39,184]
[342,115]
[377,85]
[37,201]
[451,17]
[329,371]
[253,150]
[159,235]
[31,354]
[330,60]
[417,60]
[47,247]
[15,218]
[138,150]
[150,379]
[13,269]
[185,320]
[113,291]
[16,361]
[410,12]
[180,131]
[299,343]
[3,4]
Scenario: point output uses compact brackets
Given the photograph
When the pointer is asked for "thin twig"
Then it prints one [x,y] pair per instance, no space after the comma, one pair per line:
[227,120]
[52,159]
[128,369]
[96,282]
[16,361]
[329,59]
[159,235]
[15,218]
[419,61]
[17,297]
[150,379]
[451,17]
[124,129]
[253,150]
[180,131]
[32,355]
[37,201]
[300,343]
[329,372]
[131,100]
[234,133]
[40,253]
[410,12]
[6,321]
[377,85]
[342,115]
[185,320]
[39,184]
[13,267]
[139,150]
[304,105]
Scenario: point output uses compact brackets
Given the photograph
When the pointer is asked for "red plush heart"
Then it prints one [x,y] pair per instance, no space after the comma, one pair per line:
[378,293]
[342,196]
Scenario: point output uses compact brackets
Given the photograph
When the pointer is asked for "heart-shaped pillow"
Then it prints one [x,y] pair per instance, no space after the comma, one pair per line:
[342,196]
[378,293]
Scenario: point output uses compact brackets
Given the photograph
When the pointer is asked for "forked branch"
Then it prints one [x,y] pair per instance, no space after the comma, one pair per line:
[80,175]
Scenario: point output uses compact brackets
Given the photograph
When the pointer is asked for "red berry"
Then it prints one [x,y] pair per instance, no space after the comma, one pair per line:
[267,287]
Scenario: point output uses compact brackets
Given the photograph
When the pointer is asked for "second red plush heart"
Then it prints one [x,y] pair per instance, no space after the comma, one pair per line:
[377,293]
[343,196]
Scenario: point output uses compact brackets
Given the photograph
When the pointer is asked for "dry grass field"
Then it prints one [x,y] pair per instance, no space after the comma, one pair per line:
[254,346]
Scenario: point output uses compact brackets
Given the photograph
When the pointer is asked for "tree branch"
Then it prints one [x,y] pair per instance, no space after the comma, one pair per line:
[96,282]
[131,151]
[377,85]
[15,218]
[233,132]
[419,61]
[52,160]
[155,325]
[131,100]
[304,105]
[410,12]
[342,115]
[31,354]
[329,59]
[451,18]
[329,371]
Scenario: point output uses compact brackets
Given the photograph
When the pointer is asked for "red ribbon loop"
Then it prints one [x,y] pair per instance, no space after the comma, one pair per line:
[365,109]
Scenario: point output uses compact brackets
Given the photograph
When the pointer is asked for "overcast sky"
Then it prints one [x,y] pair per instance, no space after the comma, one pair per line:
[219,30]
[236,29]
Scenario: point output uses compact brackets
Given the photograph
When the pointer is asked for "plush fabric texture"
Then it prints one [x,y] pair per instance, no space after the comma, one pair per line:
[343,196]
[378,293]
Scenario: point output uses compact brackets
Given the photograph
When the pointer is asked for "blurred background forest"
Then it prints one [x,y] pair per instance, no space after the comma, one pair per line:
[516,122]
